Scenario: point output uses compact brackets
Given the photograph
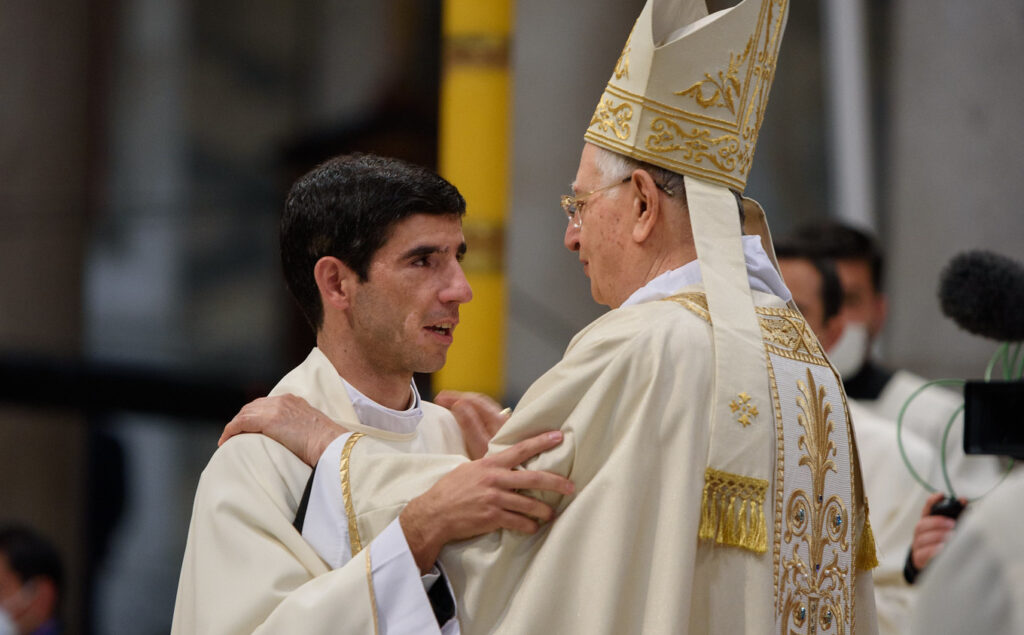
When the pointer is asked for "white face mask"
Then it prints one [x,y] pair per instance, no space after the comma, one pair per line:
[850,351]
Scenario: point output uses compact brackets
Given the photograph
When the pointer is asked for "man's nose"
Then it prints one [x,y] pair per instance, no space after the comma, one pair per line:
[572,237]
[457,289]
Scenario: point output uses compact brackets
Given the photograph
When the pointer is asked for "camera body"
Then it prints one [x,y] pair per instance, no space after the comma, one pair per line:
[994,418]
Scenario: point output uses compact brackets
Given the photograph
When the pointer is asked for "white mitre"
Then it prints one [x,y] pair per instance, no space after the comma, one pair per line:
[688,94]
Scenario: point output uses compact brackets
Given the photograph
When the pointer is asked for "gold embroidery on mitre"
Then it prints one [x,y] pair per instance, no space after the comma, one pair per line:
[709,130]
[726,85]
[696,144]
[622,65]
[732,510]
[748,411]
[814,583]
[609,117]
[346,494]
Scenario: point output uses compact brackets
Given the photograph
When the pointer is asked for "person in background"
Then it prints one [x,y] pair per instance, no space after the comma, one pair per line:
[31,575]
[894,498]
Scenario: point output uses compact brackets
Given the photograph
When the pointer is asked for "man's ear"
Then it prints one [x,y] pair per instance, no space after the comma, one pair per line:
[336,282]
[646,205]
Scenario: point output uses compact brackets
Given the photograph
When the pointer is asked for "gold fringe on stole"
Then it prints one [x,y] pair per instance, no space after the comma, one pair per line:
[867,557]
[732,511]
[346,494]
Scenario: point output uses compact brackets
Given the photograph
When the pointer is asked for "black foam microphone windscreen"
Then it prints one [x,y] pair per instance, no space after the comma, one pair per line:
[983,292]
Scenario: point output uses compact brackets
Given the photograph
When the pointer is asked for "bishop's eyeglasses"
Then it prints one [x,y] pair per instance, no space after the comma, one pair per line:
[573,205]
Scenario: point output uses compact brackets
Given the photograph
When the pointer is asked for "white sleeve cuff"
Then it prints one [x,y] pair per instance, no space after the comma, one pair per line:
[326,525]
[402,602]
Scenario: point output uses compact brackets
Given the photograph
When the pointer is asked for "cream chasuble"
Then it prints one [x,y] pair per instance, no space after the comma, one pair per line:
[623,555]
[247,569]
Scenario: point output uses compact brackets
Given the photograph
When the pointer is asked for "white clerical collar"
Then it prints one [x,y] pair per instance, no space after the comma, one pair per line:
[760,271]
[371,413]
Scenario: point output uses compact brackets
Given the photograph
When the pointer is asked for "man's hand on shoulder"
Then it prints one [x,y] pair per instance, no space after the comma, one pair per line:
[290,421]
[479,416]
[481,496]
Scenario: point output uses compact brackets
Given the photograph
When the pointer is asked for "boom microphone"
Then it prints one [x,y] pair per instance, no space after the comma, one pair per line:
[983,292]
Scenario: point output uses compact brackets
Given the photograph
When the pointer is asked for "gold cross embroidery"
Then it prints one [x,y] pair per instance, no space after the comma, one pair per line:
[748,411]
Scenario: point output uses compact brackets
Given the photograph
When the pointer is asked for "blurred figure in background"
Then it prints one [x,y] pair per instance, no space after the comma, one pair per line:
[31,574]
[976,584]
[894,498]
[860,266]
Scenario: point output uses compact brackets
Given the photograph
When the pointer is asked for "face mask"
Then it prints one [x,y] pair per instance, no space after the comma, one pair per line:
[850,351]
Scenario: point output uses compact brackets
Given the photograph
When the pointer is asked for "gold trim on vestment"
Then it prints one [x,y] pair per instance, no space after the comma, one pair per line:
[373,595]
[816,586]
[732,510]
[867,554]
[780,477]
[346,494]
[784,331]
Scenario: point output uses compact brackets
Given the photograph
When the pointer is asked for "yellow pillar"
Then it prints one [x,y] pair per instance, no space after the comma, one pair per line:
[474,144]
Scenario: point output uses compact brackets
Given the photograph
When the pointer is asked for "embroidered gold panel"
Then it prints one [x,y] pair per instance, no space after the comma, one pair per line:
[784,330]
[814,501]
[814,544]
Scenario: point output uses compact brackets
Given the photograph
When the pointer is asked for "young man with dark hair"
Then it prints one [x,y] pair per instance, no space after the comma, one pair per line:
[31,575]
[371,249]
[860,265]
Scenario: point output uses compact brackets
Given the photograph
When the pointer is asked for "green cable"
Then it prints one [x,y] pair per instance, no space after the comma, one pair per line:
[1000,352]
[1011,372]
[945,441]
[899,430]
[949,426]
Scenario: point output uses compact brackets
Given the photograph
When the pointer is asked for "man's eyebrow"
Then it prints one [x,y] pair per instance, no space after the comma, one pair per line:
[423,250]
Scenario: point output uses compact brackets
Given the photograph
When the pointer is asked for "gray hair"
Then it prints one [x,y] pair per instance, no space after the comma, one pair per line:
[617,166]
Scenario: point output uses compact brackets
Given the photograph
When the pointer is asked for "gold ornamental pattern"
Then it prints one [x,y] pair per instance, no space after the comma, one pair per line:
[726,85]
[744,100]
[784,331]
[622,65]
[709,129]
[613,118]
[814,582]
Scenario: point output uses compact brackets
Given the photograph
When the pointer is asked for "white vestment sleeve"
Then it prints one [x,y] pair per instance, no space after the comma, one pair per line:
[400,605]
[326,525]
[247,570]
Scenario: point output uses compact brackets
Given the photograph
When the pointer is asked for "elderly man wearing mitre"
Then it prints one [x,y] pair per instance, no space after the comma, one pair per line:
[717,482]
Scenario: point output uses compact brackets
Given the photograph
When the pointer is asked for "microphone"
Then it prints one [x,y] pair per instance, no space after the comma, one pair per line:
[983,292]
